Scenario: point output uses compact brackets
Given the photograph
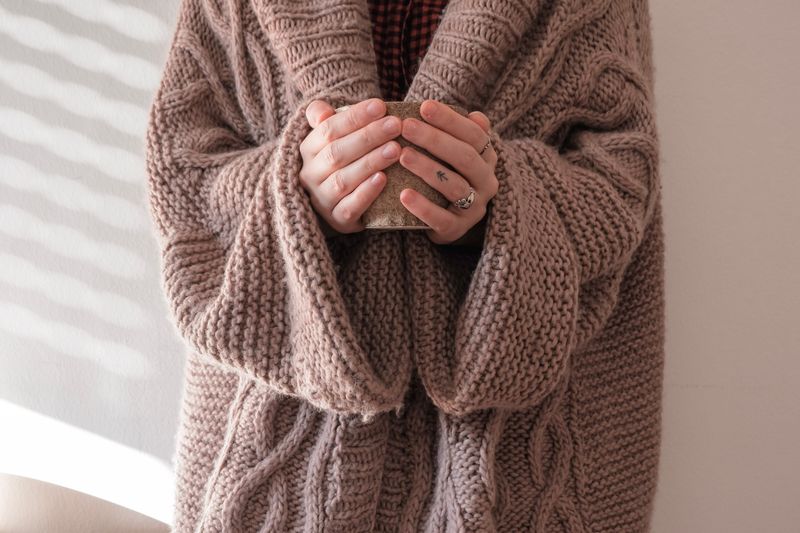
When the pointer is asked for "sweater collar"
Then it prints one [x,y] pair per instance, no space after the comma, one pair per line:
[326,47]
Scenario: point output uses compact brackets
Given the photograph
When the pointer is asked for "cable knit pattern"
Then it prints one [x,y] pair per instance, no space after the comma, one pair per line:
[378,381]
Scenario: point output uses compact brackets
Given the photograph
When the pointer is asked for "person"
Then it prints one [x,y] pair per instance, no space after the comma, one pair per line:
[365,380]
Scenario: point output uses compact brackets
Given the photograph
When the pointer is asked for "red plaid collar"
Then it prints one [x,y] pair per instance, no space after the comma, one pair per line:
[401,33]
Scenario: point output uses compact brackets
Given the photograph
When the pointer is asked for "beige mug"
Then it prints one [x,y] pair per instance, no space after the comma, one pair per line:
[387,212]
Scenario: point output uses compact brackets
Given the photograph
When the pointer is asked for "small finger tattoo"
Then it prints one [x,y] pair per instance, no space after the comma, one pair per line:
[440,174]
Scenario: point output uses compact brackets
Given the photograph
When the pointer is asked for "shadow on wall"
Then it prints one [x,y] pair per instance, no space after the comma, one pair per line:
[84,332]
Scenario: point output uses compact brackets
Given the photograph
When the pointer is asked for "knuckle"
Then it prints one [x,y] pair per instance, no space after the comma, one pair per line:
[337,183]
[468,158]
[347,218]
[364,136]
[326,131]
[346,215]
[352,119]
[369,166]
[332,153]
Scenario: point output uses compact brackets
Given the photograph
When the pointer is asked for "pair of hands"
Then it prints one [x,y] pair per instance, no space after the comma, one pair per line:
[345,153]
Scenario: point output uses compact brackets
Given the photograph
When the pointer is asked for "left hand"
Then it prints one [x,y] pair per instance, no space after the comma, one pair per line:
[456,140]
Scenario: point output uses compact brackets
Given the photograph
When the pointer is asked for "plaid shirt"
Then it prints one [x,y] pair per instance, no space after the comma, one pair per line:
[401,33]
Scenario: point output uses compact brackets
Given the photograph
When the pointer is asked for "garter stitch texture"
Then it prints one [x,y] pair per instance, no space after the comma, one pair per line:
[378,381]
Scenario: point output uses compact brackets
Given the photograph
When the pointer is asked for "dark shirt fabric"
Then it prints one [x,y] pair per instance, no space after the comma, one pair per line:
[401,33]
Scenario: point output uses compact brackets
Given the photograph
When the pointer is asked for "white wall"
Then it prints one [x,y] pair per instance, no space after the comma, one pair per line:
[727,88]
[90,367]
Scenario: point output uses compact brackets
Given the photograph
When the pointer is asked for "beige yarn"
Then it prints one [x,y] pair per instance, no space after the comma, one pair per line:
[378,381]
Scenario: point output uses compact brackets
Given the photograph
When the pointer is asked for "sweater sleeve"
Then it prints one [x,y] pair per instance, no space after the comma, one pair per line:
[223,205]
[561,231]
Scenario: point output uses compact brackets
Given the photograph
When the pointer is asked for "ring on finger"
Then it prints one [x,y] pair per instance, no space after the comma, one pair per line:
[465,202]
[485,146]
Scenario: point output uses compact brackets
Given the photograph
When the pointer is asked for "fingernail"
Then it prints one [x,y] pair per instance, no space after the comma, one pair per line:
[390,150]
[376,177]
[411,125]
[411,155]
[374,108]
[430,109]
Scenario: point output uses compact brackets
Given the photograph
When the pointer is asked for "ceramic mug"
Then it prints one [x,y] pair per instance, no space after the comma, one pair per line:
[387,212]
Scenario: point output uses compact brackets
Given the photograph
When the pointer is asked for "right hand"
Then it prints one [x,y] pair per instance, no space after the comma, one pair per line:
[340,157]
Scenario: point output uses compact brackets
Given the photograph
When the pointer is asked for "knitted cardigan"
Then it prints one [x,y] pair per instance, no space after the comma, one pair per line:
[378,381]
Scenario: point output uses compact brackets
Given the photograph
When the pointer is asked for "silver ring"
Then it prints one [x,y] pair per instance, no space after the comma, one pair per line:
[465,202]
[485,146]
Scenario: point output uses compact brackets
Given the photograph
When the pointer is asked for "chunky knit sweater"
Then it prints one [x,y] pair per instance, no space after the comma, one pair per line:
[378,381]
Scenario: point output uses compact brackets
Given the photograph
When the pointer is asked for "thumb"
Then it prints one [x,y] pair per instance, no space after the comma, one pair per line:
[317,111]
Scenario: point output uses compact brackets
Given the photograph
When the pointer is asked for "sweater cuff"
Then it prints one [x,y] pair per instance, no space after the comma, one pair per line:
[265,293]
[559,235]
[333,296]
[515,319]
